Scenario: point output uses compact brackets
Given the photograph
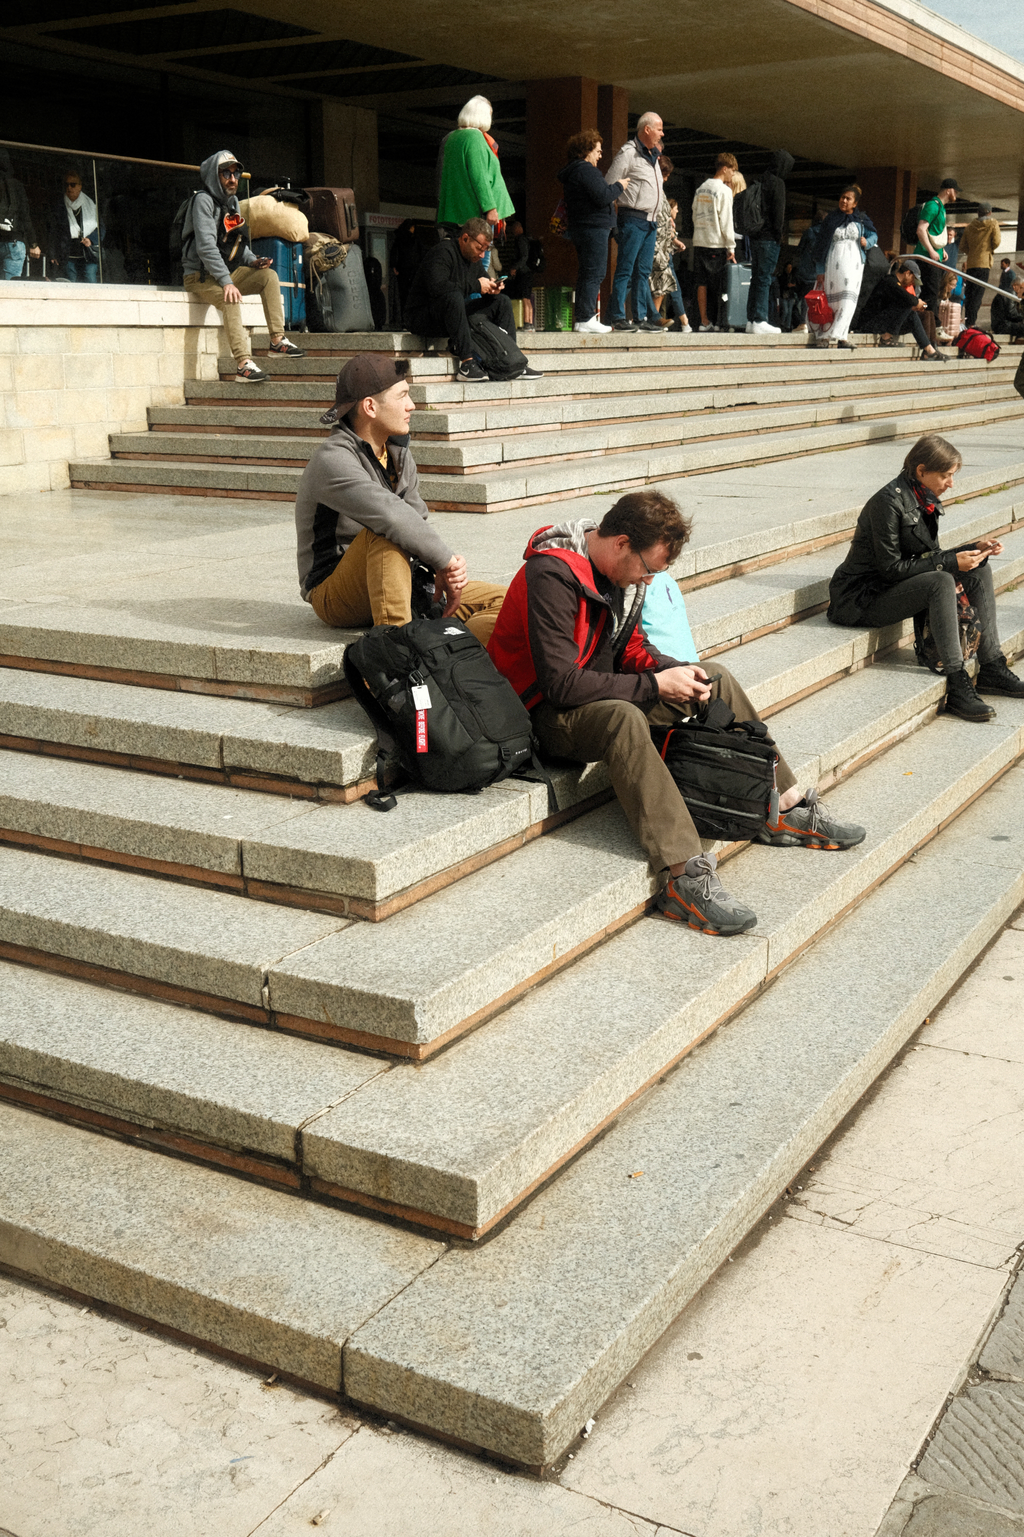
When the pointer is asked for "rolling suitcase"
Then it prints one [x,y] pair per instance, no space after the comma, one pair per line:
[341,300]
[732,311]
[287,261]
[332,211]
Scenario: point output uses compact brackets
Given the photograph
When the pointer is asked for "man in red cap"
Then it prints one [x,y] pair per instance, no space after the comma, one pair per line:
[367,551]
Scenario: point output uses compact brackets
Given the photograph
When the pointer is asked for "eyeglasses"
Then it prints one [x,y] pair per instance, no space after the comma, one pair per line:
[647,568]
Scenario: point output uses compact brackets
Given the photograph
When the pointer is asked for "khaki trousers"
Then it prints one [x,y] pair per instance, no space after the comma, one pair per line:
[248,280]
[372,584]
[616,733]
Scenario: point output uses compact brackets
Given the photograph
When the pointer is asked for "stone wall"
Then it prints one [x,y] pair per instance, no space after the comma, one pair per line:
[77,364]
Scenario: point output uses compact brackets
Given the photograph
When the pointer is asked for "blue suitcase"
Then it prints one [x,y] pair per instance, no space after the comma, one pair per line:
[288,263]
[732,311]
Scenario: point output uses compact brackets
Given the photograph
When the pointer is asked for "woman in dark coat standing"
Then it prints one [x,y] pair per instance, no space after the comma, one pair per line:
[895,569]
[590,210]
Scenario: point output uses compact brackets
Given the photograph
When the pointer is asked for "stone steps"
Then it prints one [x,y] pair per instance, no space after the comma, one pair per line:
[509,1346]
[509,487]
[478,450]
[426,1144]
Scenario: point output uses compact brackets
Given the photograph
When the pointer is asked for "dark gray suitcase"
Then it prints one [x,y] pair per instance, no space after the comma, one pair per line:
[732,311]
[342,298]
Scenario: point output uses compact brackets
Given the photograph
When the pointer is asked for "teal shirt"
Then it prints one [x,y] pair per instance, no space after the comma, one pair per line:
[933,213]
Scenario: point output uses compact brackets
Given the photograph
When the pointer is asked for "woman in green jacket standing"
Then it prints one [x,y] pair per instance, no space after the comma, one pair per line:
[471,182]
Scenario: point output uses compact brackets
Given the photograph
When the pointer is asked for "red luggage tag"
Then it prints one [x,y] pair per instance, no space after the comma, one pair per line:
[421,699]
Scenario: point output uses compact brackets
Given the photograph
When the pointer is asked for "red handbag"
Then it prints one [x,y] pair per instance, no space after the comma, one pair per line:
[819,311]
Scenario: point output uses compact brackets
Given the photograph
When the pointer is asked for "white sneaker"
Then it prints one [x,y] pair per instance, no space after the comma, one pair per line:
[592,327]
[686,330]
[798,329]
[708,327]
[762,328]
[749,328]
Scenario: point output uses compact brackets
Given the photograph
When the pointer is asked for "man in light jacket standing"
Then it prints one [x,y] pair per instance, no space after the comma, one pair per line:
[714,238]
[979,243]
[637,161]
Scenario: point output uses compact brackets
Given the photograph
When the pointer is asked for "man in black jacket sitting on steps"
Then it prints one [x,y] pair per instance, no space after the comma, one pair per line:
[449,274]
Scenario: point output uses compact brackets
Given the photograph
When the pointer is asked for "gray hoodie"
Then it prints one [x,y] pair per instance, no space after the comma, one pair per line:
[215,237]
[344,490]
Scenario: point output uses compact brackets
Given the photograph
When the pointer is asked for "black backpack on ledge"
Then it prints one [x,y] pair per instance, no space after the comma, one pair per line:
[724,768]
[445,717]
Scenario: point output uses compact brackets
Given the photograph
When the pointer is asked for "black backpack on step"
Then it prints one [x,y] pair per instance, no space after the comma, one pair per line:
[445,716]
[724,768]
[497,353]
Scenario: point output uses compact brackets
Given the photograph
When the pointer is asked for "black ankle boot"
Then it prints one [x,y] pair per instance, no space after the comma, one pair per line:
[963,701]
[995,677]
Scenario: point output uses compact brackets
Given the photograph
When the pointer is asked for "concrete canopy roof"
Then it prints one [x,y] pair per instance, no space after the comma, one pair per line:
[854,83]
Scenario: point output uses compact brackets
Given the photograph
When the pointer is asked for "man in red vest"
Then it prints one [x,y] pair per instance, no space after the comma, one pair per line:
[569,639]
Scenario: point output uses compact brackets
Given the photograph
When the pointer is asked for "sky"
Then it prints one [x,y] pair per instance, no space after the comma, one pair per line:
[1000,23]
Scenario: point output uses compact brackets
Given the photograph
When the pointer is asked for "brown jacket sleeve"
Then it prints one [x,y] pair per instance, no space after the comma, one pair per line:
[554,600]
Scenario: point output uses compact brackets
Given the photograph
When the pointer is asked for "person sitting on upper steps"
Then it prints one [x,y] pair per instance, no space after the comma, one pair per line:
[895,569]
[569,638]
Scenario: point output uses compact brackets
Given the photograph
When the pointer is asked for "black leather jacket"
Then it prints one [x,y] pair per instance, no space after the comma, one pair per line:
[890,544]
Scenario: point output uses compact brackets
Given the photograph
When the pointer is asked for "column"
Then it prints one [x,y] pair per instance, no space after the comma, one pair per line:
[887,192]
[555,110]
[343,150]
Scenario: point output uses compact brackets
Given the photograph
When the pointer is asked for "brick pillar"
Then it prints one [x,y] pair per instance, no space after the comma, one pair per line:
[343,150]
[613,122]
[555,110]
[888,191]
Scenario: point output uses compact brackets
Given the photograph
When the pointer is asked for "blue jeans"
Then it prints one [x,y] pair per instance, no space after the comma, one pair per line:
[12,259]
[592,259]
[636,253]
[82,269]
[763,256]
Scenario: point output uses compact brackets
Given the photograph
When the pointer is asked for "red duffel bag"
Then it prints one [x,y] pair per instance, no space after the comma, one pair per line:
[972,343]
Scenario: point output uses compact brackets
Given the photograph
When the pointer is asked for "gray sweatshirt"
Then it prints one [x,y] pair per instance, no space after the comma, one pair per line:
[205,241]
[343,490]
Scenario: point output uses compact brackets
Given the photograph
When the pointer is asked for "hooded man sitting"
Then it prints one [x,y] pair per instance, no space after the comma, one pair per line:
[569,639]
[367,551]
[220,268]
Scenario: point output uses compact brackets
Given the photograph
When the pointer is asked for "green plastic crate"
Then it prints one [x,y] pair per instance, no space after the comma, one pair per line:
[552,308]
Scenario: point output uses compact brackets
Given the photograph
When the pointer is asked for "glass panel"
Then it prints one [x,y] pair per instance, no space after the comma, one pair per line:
[118,230]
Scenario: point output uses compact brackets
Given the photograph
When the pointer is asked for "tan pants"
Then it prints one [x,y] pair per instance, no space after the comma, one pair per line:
[615,732]
[248,280]
[372,584]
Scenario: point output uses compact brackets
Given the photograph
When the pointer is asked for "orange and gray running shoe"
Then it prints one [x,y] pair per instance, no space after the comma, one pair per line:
[811,824]
[697,897]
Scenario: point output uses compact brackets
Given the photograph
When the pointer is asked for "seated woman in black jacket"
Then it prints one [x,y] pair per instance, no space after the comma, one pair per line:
[895,569]
[590,211]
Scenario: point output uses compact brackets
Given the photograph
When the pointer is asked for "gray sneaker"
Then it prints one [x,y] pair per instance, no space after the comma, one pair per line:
[697,897]
[811,824]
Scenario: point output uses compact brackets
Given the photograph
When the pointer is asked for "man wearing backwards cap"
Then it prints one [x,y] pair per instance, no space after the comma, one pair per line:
[219,267]
[361,523]
[932,236]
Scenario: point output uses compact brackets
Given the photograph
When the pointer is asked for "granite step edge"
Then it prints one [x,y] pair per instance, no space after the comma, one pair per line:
[628,1235]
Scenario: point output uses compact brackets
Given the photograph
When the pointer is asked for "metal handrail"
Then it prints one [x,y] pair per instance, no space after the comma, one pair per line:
[91,154]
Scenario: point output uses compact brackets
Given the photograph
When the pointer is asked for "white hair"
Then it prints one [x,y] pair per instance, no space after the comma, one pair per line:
[476,113]
[646,119]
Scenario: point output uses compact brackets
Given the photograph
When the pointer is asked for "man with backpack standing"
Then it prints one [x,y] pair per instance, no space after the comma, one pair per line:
[219,267]
[367,552]
[931,241]
[761,214]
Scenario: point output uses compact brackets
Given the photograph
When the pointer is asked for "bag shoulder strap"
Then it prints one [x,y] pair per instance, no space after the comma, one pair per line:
[389,771]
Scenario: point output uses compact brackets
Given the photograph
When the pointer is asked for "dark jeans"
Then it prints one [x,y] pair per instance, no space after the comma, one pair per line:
[936,592]
[763,256]
[973,295]
[592,258]
[633,270]
[447,316]
[792,310]
[931,277]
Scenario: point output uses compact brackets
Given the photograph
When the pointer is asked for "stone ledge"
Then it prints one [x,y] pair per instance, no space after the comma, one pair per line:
[109,304]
